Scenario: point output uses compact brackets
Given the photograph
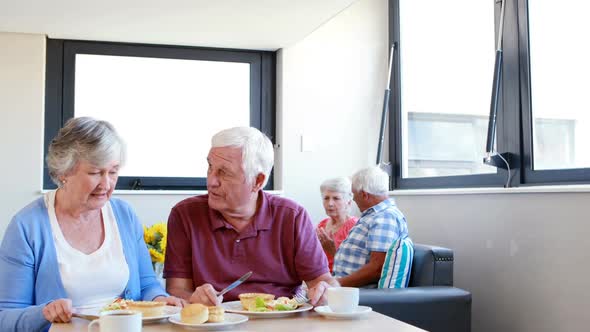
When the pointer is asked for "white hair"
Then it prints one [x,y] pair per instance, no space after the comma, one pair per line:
[257,149]
[372,180]
[83,138]
[340,185]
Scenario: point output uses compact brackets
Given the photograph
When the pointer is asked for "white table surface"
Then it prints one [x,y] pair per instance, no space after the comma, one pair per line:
[301,322]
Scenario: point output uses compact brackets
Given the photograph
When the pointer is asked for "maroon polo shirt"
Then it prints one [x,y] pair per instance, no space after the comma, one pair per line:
[280,247]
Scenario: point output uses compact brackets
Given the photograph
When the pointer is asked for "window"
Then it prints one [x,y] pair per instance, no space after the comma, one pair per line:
[555,103]
[166,102]
[436,151]
[443,71]
[441,99]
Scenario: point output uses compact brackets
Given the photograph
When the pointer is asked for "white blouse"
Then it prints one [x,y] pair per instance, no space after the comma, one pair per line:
[90,280]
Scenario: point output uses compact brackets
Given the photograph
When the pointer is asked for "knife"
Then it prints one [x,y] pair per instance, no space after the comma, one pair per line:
[83,316]
[235,283]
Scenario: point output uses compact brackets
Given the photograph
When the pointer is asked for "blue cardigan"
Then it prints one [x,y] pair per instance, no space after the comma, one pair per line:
[29,273]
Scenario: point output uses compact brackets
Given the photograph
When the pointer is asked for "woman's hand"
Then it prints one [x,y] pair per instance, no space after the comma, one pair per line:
[58,311]
[327,241]
[171,300]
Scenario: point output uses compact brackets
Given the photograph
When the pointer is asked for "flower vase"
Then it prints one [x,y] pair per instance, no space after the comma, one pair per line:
[159,271]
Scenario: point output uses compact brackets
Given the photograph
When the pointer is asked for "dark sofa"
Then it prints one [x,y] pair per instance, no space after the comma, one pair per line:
[430,302]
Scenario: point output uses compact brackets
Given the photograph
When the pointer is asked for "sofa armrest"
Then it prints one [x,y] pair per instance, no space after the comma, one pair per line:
[435,309]
[432,266]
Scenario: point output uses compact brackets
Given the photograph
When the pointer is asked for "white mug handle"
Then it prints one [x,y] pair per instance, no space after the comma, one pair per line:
[96,321]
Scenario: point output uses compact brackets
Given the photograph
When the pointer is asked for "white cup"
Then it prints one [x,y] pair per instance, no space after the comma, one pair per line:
[118,321]
[343,299]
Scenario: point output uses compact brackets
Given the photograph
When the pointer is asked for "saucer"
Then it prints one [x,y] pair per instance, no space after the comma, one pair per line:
[360,311]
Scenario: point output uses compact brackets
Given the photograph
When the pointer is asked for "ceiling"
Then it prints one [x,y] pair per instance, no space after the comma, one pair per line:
[252,24]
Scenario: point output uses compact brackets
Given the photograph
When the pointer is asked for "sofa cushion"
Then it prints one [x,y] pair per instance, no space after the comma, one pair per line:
[432,308]
[398,264]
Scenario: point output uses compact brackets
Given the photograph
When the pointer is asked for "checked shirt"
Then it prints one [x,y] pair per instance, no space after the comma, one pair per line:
[378,227]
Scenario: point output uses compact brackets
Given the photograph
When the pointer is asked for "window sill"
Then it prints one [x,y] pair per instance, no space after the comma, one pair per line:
[474,191]
[169,192]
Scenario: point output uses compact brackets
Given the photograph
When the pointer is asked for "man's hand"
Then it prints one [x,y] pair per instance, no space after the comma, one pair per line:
[317,293]
[327,241]
[58,311]
[317,288]
[207,295]
[171,300]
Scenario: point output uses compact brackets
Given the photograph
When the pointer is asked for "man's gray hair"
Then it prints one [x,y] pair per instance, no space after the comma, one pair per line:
[372,180]
[257,149]
[83,138]
[340,185]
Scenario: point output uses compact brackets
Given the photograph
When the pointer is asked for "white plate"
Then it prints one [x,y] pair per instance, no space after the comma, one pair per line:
[327,312]
[168,311]
[229,320]
[236,307]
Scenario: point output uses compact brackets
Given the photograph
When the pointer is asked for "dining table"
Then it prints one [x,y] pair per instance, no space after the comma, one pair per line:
[309,321]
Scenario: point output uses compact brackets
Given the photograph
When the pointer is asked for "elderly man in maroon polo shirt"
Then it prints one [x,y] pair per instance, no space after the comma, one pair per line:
[214,239]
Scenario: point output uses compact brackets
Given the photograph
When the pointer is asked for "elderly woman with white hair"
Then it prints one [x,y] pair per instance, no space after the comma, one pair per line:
[75,247]
[337,200]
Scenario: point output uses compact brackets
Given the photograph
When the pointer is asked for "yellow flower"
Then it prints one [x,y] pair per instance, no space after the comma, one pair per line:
[155,238]
[163,243]
[147,235]
[159,228]
[157,257]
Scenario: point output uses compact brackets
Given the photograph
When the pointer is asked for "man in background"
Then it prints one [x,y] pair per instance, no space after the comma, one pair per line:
[359,260]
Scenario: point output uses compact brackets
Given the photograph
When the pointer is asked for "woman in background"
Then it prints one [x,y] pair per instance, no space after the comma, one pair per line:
[337,199]
[75,247]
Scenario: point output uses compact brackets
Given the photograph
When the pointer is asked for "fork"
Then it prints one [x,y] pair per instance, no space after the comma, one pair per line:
[300,297]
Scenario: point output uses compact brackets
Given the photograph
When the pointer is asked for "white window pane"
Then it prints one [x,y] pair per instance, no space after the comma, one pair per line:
[559,87]
[165,109]
[447,60]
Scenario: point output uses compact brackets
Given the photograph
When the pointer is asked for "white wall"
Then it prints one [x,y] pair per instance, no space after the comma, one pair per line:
[522,255]
[22,86]
[332,91]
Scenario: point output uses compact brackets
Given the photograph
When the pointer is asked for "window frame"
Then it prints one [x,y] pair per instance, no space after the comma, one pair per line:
[531,176]
[60,83]
[514,128]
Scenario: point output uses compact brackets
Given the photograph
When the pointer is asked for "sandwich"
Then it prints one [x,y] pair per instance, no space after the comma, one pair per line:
[248,300]
[147,308]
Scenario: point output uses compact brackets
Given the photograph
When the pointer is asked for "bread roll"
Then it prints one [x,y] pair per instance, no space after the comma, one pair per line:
[147,308]
[216,314]
[194,313]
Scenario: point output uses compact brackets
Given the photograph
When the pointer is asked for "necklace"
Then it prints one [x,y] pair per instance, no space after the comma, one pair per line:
[331,228]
